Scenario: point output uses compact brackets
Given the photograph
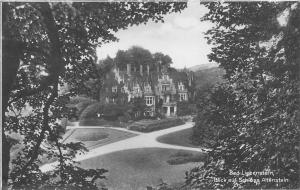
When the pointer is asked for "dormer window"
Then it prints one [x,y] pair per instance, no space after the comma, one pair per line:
[147,88]
[181,86]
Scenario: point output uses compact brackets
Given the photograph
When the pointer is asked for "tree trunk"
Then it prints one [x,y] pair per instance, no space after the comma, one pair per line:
[10,63]
[5,161]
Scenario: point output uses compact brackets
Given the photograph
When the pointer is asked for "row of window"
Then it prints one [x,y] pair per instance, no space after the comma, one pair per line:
[168,87]
[136,89]
[150,99]
[147,89]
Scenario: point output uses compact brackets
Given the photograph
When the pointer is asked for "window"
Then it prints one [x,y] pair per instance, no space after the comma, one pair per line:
[165,77]
[149,100]
[165,87]
[181,87]
[182,97]
[172,110]
[166,99]
[147,88]
[136,89]
[114,89]
[165,109]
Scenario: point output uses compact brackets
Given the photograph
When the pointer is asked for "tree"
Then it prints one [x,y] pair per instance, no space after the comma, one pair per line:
[122,59]
[46,45]
[138,107]
[135,56]
[94,84]
[162,59]
[259,113]
[185,108]
[208,99]
[139,56]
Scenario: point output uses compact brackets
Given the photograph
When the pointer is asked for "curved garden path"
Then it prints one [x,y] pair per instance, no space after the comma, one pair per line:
[142,140]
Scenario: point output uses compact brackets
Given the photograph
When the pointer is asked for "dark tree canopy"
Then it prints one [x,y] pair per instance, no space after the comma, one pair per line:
[139,56]
[45,46]
[164,60]
[257,111]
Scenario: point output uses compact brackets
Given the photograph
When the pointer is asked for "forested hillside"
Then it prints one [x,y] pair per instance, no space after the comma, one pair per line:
[208,77]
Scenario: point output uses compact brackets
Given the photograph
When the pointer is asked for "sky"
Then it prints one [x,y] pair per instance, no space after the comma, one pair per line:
[181,37]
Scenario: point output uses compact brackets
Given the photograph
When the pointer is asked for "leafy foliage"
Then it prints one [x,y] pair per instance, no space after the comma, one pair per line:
[110,112]
[164,60]
[139,56]
[45,46]
[204,132]
[185,108]
[138,108]
[155,125]
[257,111]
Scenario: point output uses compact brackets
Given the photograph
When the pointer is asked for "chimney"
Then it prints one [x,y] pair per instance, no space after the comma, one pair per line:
[128,68]
[141,70]
[148,69]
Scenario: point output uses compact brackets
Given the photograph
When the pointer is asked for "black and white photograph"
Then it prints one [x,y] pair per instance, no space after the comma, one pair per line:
[150,94]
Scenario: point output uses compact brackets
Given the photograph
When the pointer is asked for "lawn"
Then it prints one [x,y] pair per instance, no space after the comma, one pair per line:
[181,138]
[93,138]
[138,168]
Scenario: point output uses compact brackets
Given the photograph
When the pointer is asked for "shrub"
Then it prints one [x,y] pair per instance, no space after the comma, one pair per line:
[155,125]
[79,99]
[100,122]
[110,112]
[64,122]
[185,108]
[91,111]
[81,106]
[124,118]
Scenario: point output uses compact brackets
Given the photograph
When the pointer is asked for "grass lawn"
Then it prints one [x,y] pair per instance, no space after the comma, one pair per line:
[138,168]
[93,138]
[181,138]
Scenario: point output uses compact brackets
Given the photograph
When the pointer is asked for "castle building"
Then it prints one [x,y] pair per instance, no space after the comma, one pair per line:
[161,87]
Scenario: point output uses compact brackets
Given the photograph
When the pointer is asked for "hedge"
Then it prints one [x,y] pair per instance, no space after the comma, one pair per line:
[156,125]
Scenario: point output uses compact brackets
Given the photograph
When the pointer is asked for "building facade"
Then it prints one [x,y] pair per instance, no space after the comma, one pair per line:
[160,87]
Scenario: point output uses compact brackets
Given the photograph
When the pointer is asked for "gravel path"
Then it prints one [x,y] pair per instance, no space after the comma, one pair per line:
[143,140]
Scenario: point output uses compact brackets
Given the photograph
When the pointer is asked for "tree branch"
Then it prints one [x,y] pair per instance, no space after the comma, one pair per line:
[55,61]
[34,153]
